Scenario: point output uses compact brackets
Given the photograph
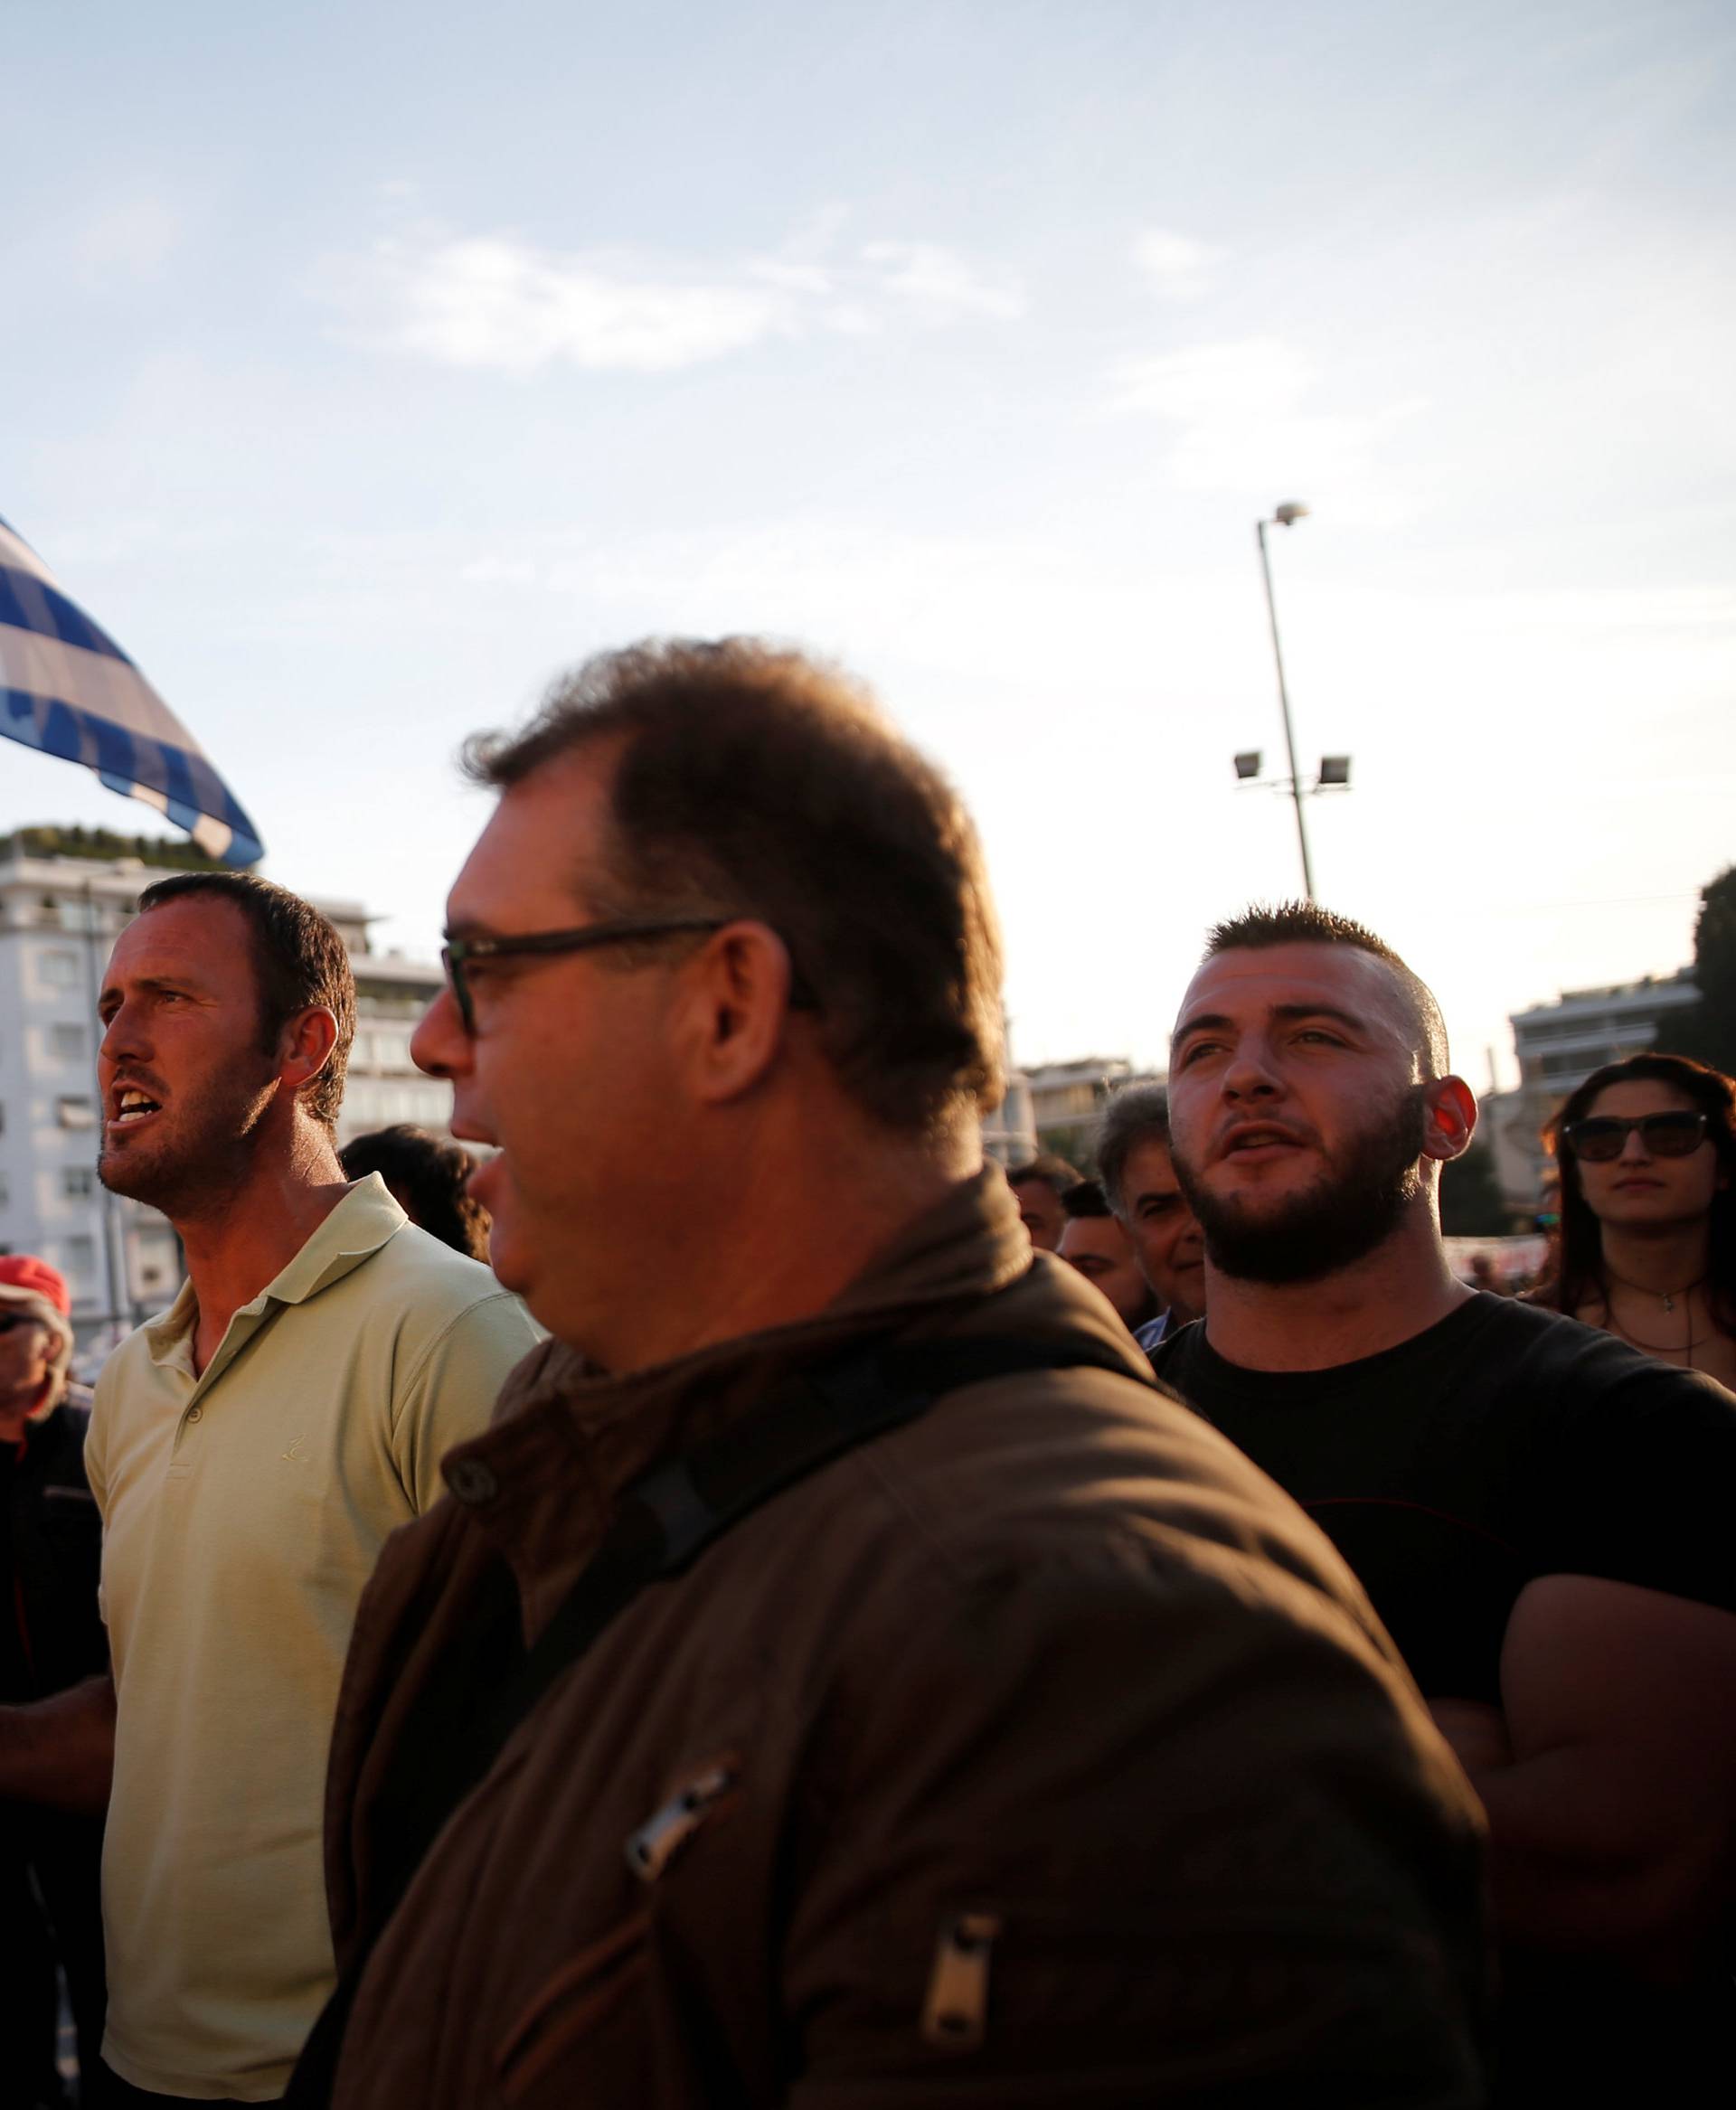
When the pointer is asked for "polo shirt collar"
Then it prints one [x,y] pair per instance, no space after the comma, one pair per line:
[349,1234]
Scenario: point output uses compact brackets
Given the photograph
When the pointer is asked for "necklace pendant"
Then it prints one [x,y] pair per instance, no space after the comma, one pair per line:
[1669,1303]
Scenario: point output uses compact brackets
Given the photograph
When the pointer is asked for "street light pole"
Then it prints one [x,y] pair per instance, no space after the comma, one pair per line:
[1284,516]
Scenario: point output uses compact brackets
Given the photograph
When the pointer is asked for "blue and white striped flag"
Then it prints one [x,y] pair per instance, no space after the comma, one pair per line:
[67,688]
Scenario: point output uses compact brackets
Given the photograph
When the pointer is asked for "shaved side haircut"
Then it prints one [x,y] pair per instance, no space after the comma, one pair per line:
[1260,928]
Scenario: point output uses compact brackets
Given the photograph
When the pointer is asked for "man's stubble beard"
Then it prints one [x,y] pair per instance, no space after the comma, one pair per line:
[203,1163]
[1357,1203]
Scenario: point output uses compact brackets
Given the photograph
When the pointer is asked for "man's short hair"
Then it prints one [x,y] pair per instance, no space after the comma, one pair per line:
[751,780]
[1259,928]
[430,1173]
[299,961]
[1136,1113]
[1086,1200]
[1053,1172]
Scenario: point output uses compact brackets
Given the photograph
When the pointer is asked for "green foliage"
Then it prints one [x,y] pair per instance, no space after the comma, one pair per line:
[103,845]
[1472,1205]
[1708,1031]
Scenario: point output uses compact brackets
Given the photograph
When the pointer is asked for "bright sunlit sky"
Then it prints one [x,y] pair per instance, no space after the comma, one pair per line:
[366,364]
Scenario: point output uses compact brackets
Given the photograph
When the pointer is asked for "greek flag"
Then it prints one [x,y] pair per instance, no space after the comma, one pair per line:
[67,688]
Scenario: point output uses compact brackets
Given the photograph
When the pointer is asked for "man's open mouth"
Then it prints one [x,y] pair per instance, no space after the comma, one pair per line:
[1252,1138]
[132,1106]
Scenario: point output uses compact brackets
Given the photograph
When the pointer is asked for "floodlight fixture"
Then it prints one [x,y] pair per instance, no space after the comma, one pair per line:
[1248,765]
[1289,512]
[1334,768]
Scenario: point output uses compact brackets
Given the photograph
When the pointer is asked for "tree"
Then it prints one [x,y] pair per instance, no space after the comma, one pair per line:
[1707,1030]
[1472,1205]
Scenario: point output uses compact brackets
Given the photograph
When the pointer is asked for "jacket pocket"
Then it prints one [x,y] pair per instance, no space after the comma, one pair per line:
[576,2003]
[586,2033]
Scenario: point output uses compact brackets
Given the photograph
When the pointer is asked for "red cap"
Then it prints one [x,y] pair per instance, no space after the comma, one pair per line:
[23,1275]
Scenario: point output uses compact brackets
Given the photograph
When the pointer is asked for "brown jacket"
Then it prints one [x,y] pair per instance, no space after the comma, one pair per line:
[1038,1752]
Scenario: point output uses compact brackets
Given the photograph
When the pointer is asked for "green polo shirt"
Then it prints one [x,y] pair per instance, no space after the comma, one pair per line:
[243,1510]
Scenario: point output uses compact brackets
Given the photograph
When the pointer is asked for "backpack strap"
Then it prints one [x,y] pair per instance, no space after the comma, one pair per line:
[665,1520]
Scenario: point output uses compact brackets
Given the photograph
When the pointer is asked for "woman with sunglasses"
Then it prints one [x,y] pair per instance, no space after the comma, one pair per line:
[1646,1248]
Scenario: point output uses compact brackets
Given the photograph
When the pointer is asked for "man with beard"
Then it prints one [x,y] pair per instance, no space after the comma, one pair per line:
[1540,1516]
[250,1450]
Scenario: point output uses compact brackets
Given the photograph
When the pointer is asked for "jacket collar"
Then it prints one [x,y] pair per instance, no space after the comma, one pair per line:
[567,1439]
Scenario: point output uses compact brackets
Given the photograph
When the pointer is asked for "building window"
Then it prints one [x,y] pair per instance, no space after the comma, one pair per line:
[78,1182]
[68,1043]
[80,1257]
[77,1113]
[59,970]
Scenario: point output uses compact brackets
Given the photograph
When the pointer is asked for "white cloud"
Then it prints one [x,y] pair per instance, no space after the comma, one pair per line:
[1244,415]
[1258,377]
[500,303]
[1176,264]
[133,240]
[937,285]
[496,303]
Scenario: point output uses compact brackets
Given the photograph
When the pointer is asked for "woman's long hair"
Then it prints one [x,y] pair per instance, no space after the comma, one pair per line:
[1575,1274]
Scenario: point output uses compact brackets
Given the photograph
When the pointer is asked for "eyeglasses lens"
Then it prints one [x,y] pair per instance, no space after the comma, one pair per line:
[1604,1137]
[460,988]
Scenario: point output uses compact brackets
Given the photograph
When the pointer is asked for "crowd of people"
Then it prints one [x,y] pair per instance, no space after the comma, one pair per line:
[726,1598]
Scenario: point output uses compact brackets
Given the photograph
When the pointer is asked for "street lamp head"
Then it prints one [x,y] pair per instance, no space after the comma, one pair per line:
[1247,765]
[1334,768]
[1289,512]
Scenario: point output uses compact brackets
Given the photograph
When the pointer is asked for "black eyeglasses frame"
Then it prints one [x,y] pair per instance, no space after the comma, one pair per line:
[456,952]
[1672,1122]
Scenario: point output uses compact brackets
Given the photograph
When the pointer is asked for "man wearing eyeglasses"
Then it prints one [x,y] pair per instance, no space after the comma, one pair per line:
[842,1677]
[250,1449]
[1540,1516]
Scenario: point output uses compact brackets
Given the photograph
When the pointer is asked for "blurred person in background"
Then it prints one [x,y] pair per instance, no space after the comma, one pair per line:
[1647,1244]
[1139,1179]
[426,1176]
[1094,1243]
[51,1638]
[1037,1188]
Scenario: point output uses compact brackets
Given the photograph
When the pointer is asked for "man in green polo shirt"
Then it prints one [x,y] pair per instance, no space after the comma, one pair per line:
[251,1449]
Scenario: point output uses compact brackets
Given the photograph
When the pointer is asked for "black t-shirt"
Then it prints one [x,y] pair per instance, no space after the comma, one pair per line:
[1502,1443]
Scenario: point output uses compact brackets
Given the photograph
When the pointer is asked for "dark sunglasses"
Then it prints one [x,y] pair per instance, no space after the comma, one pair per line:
[1605,1136]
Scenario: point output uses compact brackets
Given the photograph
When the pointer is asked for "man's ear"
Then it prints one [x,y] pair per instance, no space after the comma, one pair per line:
[306,1046]
[1451,1107]
[736,1010]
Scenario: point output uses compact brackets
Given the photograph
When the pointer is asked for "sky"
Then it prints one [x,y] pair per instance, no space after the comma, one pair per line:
[370,364]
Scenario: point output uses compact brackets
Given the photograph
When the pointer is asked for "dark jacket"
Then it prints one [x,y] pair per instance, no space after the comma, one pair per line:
[1037,1752]
[55,1539]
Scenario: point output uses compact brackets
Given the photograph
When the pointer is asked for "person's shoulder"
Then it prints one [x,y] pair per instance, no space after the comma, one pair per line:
[433,1278]
[1554,1341]
[1178,1348]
